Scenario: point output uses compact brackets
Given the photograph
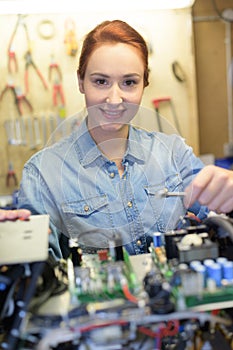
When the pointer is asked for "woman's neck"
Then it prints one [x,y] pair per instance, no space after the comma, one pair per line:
[112,144]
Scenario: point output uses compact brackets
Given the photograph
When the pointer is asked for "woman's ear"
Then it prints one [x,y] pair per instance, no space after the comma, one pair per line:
[80,84]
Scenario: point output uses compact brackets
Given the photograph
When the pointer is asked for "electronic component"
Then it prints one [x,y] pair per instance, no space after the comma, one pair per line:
[149,301]
[24,241]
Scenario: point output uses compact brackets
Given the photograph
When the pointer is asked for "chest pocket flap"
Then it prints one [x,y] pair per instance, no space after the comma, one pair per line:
[85,207]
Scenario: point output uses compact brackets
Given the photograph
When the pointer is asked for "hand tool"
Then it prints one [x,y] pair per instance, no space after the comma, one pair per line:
[58,93]
[12,61]
[20,100]
[9,86]
[54,70]
[165,193]
[11,176]
[30,62]
[156,102]
[70,38]
[37,131]
[10,132]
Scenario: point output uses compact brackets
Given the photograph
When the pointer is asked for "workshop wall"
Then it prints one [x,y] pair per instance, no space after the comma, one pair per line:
[210,36]
[169,35]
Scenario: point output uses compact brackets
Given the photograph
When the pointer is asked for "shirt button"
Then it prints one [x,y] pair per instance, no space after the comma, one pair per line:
[86,208]
[138,243]
[112,175]
[129,204]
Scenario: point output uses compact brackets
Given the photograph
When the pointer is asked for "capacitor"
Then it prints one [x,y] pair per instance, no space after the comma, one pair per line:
[207,263]
[214,272]
[194,263]
[157,239]
[202,270]
[221,260]
[227,268]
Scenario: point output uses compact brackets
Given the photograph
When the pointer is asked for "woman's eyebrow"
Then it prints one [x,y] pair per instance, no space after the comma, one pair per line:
[128,75]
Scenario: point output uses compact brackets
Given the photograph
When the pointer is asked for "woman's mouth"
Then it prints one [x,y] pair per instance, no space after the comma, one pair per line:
[112,114]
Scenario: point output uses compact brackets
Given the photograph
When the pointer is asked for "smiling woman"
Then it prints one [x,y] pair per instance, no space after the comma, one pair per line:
[103,180]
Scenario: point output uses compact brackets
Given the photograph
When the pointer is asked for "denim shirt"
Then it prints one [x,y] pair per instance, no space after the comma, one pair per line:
[86,198]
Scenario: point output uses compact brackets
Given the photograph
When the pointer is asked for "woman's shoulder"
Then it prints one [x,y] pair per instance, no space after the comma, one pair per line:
[157,136]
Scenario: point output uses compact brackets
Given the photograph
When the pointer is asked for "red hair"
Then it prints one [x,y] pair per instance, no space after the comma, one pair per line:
[113,32]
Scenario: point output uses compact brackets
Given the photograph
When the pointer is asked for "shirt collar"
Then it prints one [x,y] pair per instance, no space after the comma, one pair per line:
[135,150]
[88,151]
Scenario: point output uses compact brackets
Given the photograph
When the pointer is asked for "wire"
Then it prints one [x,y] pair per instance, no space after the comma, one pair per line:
[129,296]
[221,221]
[216,9]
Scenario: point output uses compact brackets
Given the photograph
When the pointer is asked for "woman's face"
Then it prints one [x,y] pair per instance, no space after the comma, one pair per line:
[113,86]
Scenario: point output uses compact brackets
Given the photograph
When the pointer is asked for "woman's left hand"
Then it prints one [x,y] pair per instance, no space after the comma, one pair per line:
[212,187]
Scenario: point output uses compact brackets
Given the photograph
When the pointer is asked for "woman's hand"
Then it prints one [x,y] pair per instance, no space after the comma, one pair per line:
[21,214]
[212,187]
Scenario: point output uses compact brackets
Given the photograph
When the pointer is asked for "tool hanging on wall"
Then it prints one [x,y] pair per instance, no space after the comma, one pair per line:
[54,70]
[12,60]
[46,29]
[70,38]
[11,179]
[10,86]
[178,72]
[55,75]
[22,100]
[30,62]
[156,102]
[19,98]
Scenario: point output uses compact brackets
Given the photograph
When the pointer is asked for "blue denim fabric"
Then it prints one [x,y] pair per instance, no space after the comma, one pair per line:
[85,197]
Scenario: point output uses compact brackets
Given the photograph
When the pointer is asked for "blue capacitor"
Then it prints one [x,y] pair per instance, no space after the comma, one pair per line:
[207,263]
[214,272]
[228,270]
[221,260]
[157,239]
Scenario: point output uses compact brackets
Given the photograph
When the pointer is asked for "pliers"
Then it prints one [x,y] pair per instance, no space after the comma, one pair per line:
[30,62]
[12,61]
[11,176]
[55,67]
[58,92]
[9,86]
[20,98]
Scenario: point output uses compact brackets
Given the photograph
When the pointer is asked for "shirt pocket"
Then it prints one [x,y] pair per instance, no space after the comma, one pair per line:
[89,219]
[167,210]
[85,207]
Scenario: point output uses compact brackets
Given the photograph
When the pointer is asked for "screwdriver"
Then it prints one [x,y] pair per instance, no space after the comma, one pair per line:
[166,193]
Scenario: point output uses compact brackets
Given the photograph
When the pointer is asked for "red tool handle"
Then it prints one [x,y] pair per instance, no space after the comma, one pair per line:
[157,101]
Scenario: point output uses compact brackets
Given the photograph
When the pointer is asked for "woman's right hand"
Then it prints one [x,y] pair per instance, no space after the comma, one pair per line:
[21,214]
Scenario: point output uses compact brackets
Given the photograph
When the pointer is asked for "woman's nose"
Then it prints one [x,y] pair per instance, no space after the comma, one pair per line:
[114,96]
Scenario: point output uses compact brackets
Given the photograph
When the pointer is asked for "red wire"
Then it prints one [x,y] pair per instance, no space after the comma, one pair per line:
[129,295]
[91,327]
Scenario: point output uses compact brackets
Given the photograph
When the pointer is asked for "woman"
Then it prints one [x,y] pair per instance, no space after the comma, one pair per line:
[109,178]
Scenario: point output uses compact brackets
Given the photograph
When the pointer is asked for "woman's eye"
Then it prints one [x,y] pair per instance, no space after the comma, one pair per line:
[101,82]
[129,82]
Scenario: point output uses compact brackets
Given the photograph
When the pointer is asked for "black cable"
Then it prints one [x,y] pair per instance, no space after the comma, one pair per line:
[224,222]
[216,9]
[12,338]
